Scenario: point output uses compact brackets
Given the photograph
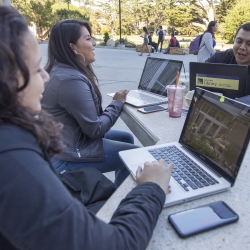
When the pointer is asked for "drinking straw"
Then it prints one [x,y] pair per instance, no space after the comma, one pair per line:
[177,78]
[176,85]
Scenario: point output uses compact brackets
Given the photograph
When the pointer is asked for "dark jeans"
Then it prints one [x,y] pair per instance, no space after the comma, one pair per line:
[159,42]
[113,142]
[154,45]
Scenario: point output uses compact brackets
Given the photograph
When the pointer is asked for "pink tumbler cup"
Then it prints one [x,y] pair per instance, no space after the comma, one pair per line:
[175,100]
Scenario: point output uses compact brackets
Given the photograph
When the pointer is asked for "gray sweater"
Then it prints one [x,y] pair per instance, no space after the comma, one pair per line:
[70,97]
[206,47]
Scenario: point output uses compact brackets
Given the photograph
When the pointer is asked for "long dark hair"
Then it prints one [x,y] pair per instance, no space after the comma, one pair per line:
[13,29]
[62,34]
[210,26]
[145,30]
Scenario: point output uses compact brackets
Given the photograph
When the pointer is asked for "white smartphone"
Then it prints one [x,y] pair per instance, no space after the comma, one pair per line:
[151,109]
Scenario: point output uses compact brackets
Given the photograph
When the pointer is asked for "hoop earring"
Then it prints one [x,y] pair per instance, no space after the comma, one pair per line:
[81,56]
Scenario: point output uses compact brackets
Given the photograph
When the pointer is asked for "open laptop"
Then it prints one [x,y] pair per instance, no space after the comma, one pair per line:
[156,75]
[228,79]
[210,150]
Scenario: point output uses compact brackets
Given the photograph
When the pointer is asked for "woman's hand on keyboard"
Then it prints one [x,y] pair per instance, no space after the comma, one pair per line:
[156,172]
[121,95]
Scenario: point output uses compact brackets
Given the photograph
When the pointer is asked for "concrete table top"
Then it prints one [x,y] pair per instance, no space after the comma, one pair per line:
[152,128]
[160,128]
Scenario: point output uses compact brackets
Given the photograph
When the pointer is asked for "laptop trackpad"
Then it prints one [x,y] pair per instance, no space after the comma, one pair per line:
[133,168]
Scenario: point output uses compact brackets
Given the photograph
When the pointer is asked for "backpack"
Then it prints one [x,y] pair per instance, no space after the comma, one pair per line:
[195,45]
[160,34]
[89,186]
[177,43]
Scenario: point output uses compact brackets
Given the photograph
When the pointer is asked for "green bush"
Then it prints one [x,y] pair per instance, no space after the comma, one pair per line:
[125,42]
[185,46]
[106,37]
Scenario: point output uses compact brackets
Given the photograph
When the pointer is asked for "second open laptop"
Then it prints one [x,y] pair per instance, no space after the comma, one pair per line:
[228,79]
[156,75]
[210,150]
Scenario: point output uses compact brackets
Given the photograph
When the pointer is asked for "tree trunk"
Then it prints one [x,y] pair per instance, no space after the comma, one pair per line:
[38,29]
[210,12]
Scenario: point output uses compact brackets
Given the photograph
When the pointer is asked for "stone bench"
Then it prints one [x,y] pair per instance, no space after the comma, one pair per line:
[138,48]
[178,51]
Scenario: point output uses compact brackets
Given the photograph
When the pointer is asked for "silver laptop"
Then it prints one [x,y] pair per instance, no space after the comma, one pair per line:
[210,150]
[156,75]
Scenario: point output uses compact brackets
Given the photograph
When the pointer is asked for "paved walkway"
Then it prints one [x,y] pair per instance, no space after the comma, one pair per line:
[121,68]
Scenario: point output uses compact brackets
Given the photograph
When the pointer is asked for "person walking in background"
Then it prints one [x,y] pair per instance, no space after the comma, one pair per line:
[144,35]
[161,37]
[150,41]
[73,97]
[207,42]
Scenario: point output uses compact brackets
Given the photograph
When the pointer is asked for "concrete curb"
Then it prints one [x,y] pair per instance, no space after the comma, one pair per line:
[111,47]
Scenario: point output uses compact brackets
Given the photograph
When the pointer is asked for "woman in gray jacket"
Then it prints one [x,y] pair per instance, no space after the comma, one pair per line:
[207,42]
[72,96]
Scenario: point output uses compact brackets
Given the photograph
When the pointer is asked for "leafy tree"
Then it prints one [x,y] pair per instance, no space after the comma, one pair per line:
[202,12]
[237,16]
[160,13]
[61,12]
[108,10]
[105,30]
[41,15]
[179,16]
[45,13]
[71,9]
[96,27]
[24,7]
[38,13]
[74,14]
[134,14]
[222,9]
[68,2]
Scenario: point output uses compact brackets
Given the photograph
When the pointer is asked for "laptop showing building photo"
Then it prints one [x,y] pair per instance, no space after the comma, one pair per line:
[228,79]
[210,150]
[156,75]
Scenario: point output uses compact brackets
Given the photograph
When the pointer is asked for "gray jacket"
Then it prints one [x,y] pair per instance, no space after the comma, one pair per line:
[206,47]
[70,97]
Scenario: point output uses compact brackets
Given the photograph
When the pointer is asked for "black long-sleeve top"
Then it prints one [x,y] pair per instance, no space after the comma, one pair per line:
[228,57]
[38,212]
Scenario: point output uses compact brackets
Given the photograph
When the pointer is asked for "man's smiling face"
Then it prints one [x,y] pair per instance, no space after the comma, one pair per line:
[241,47]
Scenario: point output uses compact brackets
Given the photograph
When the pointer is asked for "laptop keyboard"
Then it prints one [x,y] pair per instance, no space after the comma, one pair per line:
[186,172]
[143,97]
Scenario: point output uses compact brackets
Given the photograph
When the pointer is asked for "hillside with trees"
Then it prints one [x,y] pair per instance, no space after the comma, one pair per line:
[184,17]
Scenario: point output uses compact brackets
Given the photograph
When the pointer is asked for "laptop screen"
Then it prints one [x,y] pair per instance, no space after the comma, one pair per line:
[228,79]
[158,73]
[217,131]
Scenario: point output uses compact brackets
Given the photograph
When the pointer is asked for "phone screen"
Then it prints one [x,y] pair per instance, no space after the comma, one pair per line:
[203,218]
[152,108]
